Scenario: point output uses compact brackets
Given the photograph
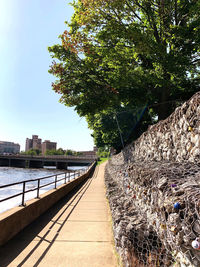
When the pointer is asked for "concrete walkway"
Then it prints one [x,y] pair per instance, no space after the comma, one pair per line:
[75,232]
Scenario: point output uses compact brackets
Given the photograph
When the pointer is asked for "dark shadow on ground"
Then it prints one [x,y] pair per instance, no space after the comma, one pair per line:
[16,245]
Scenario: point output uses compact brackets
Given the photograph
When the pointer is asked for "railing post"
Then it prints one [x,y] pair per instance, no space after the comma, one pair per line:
[38,189]
[68,176]
[23,193]
[74,174]
[55,180]
[65,178]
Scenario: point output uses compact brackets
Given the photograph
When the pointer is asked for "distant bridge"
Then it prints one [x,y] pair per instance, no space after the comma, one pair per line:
[60,162]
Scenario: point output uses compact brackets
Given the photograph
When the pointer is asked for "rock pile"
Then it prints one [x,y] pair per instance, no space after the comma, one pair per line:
[176,139]
[155,203]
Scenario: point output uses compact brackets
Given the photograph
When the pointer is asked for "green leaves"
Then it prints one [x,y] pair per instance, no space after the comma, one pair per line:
[127,53]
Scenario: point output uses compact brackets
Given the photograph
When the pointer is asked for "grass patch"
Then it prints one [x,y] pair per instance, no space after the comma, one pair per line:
[101,160]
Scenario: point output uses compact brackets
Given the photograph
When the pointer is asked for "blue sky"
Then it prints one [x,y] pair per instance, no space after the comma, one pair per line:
[28,105]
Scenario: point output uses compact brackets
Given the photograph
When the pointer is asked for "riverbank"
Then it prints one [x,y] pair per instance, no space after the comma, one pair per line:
[75,232]
[9,175]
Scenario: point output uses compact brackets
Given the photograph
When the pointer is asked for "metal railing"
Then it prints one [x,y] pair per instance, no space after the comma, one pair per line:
[90,157]
[57,180]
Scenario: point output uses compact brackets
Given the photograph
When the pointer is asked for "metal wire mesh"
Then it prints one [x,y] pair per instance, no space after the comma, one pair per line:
[156,212]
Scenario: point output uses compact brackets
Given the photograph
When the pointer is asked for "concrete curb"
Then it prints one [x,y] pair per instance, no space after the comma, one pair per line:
[16,219]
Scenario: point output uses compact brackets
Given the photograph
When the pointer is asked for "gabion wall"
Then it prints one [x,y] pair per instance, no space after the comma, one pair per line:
[175,139]
[155,200]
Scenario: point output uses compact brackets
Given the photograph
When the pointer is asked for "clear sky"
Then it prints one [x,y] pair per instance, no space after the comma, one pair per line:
[28,105]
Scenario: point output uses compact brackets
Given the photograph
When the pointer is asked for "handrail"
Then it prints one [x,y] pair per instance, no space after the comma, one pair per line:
[86,157]
[67,177]
[33,180]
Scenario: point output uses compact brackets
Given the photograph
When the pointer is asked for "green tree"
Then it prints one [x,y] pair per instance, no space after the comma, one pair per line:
[103,152]
[32,151]
[125,54]
[69,152]
[116,128]
[129,52]
[59,151]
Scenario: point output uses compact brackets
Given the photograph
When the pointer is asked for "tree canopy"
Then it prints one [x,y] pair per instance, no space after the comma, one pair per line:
[32,151]
[125,54]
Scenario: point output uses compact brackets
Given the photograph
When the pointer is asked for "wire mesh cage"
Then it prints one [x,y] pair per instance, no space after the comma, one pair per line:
[155,208]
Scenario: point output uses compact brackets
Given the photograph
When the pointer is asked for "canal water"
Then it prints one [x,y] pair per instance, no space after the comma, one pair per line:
[9,175]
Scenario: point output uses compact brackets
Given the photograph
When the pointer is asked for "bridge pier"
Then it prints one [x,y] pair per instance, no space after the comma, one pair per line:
[17,163]
[61,165]
[5,162]
[35,164]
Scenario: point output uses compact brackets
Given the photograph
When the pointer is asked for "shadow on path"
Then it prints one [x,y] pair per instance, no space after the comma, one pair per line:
[16,245]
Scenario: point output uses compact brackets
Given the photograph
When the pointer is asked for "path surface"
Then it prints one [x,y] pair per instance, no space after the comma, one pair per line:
[75,232]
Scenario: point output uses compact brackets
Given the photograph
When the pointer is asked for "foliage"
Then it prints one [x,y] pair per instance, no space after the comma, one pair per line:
[125,53]
[32,152]
[72,152]
[69,152]
[115,128]
[103,152]
[59,151]
[101,160]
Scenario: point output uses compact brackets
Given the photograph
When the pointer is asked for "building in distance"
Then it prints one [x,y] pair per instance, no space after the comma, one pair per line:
[48,145]
[92,153]
[36,143]
[9,147]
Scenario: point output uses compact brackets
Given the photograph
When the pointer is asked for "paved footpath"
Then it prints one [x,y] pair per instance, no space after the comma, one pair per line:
[76,232]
